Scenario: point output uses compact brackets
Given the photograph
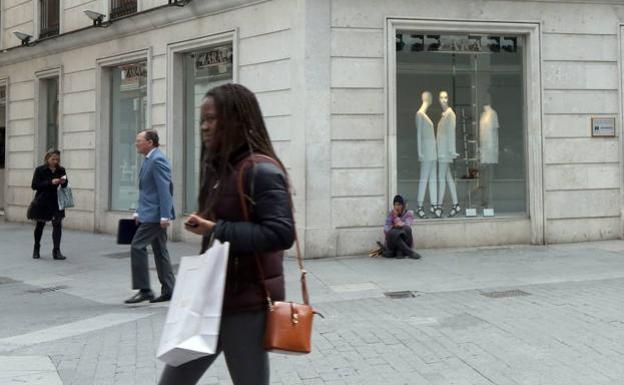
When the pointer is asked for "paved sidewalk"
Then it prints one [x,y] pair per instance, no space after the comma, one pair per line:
[506,315]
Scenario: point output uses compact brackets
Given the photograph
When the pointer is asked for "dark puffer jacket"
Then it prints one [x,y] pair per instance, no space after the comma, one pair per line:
[45,203]
[270,232]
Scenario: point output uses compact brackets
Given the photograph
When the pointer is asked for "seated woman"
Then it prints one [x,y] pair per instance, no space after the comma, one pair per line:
[398,231]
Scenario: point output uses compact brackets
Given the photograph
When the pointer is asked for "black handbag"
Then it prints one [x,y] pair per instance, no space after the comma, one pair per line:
[125,231]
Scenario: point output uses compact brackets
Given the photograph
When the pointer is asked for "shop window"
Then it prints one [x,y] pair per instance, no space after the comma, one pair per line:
[203,70]
[121,8]
[49,113]
[49,12]
[460,124]
[128,105]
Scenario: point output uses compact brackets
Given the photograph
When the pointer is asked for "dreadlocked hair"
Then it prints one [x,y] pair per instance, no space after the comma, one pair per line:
[239,123]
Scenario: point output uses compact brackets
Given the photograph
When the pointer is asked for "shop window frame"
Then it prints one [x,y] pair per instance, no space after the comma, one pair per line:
[531,33]
[175,102]
[41,137]
[103,131]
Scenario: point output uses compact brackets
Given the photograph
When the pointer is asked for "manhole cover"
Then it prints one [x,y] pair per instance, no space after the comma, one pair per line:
[505,294]
[44,290]
[6,280]
[399,294]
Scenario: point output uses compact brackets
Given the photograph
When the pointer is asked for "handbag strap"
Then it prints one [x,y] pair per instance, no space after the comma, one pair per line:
[243,202]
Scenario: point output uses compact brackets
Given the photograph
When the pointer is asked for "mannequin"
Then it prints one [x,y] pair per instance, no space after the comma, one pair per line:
[488,147]
[427,156]
[446,154]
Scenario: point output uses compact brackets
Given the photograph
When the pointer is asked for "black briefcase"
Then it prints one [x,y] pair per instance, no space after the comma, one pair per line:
[125,231]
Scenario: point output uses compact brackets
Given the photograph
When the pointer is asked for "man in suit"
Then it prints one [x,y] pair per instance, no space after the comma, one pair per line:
[153,215]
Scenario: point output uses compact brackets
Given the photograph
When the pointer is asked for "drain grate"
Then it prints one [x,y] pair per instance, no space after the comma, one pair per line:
[117,255]
[399,294]
[505,294]
[44,290]
[6,280]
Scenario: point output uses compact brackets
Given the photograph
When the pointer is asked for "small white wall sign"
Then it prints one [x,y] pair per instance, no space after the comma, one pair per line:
[603,127]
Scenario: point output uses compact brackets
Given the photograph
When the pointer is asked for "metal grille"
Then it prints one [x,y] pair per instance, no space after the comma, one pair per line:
[49,18]
[44,290]
[121,8]
[117,255]
[505,294]
[6,280]
[399,294]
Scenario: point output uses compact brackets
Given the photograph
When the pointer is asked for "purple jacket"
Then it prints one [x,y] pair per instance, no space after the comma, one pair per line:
[407,218]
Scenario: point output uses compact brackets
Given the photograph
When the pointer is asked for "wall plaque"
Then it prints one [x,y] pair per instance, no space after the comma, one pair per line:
[603,126]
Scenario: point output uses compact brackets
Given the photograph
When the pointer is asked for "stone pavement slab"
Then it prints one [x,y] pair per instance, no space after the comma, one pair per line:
[507,316]
[31,370]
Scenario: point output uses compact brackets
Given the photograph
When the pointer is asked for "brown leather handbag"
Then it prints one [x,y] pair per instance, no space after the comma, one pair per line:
[288,324]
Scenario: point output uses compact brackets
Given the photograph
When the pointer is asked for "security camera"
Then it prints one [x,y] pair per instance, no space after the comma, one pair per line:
[24,37]
[97,17]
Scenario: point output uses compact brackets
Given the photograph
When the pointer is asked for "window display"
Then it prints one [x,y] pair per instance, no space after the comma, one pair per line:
[470,141]
[203,70]
[128,118]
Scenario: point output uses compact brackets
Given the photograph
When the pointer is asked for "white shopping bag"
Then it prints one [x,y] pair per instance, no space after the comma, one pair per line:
[192,327]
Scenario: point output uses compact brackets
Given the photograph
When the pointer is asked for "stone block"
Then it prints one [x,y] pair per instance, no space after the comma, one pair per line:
[357,127]
[22,110]
[586,176]
[79,81]
[79,159]
[358,211]
[253,49]
[79,140]
[79,122]
[357,154]
[357,101]
[582,204]
[22,91]
[580,75]
[358,182]
[21,127]
[582,230]
[279,127]
[21,143]
[20,160]
[581,102]
[564,151]
[357,72]
[351,42]
[567,126]
[266,76]
[276,103]
[79,102]
[556,46]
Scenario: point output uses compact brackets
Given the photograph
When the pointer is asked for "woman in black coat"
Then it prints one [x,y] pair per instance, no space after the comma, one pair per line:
[44,206]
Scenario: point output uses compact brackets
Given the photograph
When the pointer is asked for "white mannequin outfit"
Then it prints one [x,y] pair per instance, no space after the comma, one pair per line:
[447,153]
[488,148]
[427,156]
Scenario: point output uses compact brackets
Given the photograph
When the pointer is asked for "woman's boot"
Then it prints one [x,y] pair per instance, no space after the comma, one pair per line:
[36,252]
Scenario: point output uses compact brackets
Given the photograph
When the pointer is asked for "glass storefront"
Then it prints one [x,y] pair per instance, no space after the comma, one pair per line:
[128,118]
[460,124]
[52,113]
[203,70]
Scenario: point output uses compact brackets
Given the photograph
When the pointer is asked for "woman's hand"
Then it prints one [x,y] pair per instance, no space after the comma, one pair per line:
[56,181]
[198,225]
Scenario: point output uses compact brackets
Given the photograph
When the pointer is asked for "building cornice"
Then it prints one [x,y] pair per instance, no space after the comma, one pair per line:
[137,23]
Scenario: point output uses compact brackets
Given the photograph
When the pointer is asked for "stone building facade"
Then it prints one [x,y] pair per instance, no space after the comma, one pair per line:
[340,83]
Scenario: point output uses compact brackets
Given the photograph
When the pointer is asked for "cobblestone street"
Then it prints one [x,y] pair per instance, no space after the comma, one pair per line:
[517,315]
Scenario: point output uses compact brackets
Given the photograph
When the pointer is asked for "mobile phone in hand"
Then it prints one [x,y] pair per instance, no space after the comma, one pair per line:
[189,224]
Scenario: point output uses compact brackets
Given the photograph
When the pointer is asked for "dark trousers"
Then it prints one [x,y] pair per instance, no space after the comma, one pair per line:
[57,231]
[241,340]
[146,234]
[399,240]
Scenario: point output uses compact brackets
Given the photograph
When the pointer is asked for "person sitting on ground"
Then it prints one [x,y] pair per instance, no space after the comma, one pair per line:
[398,231]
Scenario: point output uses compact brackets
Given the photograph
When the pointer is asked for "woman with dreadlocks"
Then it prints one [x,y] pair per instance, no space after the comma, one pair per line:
[238,155]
